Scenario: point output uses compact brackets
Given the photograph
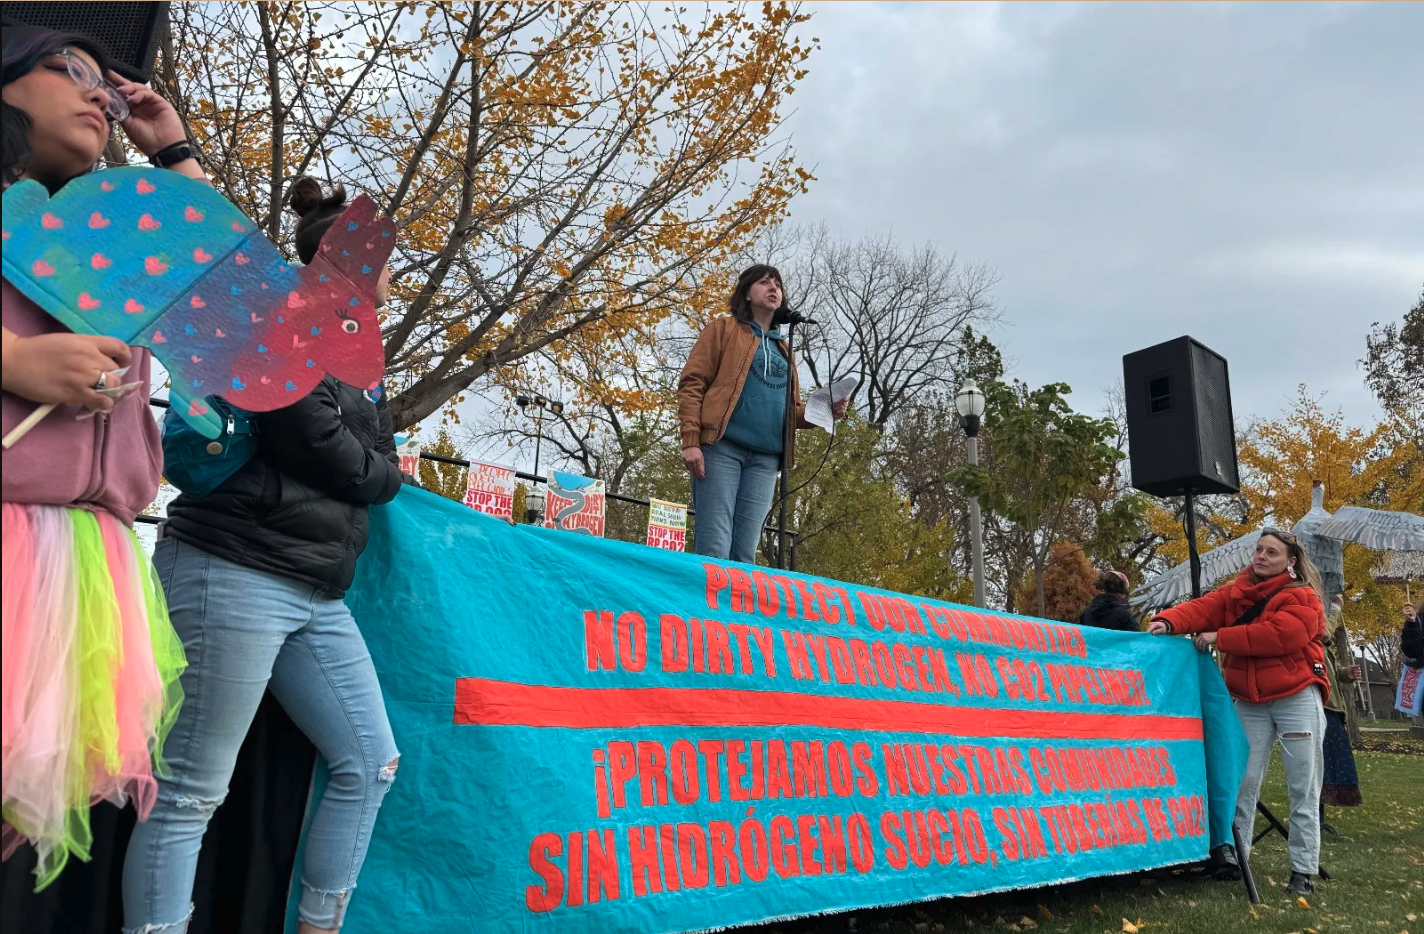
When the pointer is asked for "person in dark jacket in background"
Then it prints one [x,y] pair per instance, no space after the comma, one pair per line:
[254,574]
[1411,638]
[1109,609]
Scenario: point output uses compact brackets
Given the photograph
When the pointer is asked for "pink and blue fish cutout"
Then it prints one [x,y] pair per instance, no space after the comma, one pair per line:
[162,261]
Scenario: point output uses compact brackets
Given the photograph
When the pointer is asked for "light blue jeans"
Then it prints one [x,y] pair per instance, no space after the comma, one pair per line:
[732,502]
[245,631]
[1298,722]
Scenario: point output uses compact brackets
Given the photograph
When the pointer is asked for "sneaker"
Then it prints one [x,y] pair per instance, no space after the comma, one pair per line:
[1300,884]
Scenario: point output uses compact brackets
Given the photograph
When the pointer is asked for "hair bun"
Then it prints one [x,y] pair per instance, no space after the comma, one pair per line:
[305,196]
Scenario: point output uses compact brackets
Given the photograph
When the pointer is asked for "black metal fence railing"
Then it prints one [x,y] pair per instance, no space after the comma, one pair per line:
[529,477]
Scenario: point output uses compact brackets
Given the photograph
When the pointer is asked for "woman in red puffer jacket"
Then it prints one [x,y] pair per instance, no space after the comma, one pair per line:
[1269,625]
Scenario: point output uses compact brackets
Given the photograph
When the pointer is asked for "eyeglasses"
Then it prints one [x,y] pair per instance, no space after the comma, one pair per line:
[88,79]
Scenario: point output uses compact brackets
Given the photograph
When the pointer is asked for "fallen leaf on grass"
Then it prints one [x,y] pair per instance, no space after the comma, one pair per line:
[1410,917]
[1129,928]
[1271,881]
[1047,915]
[1097,910]
[1027,923]
[1302,904]
[1252,912]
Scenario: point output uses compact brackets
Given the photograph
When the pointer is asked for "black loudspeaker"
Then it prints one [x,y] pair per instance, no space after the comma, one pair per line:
[1180,432]
[129,32]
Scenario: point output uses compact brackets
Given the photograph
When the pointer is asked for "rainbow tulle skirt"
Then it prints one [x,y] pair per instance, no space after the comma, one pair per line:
[91,668]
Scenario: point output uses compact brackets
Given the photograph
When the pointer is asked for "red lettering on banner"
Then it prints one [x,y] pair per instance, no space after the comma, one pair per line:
[602,866]
[743,591]
[546,897]
[830,612]
[598,640]
[783,846]
[672,631]
[717,581]
[788,593]
[667,845]
[809,769]
[576,875]
[622,767]
[736,770]
[866,783]
[683,763]
[643,858]
[767,595]
[652,776]
[719,655]
[818,652]
[762,636]
[808,601]
[711,750]
[797,655]
[692,855]
[725,867]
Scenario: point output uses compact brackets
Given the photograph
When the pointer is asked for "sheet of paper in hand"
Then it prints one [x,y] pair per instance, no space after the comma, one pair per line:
[818,406]
[162,261]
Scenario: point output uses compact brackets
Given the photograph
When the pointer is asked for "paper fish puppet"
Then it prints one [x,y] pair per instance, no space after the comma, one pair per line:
[162,261]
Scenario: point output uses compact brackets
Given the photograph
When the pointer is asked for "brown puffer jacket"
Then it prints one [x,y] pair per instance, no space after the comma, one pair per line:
[712,380]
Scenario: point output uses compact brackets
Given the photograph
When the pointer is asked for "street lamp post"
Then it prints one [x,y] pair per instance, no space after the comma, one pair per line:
[534,407]
[969,403]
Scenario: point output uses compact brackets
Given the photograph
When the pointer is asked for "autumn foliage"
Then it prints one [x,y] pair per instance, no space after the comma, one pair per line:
[563,175]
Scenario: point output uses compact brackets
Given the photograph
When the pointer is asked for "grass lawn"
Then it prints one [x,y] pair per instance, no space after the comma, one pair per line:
[1377,886]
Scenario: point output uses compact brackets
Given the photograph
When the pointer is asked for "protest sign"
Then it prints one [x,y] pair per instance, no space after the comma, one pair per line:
[490,490]
[667,525]
[574,504]
[408,451]
[597,736]
[1409,698]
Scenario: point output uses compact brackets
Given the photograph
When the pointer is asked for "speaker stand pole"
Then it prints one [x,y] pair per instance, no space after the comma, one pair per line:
[1192,544]
[1241,858]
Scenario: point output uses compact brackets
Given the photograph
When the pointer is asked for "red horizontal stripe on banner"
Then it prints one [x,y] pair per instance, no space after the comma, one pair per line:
[503,703]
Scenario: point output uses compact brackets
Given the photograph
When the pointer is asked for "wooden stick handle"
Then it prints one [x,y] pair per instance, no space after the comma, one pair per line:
[22,429]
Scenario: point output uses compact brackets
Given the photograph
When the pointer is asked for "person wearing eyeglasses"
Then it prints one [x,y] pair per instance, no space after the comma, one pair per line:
[1269,625]
[91,661]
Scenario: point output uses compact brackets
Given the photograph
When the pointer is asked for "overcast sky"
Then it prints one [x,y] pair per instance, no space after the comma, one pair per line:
[1248,174]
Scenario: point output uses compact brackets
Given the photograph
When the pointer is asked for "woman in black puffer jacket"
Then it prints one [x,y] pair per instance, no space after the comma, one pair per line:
[1109,609]
[254,574]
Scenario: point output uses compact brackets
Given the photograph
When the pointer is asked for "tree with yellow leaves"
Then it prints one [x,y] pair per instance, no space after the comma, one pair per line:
[1281,459]
[553,168]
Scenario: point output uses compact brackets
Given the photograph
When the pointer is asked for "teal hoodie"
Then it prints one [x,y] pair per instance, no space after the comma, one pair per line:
[759,420]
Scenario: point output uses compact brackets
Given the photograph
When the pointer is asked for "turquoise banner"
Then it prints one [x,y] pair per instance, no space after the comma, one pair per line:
[600,736]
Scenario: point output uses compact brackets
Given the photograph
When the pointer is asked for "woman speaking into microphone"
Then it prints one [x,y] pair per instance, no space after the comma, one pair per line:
[731,409]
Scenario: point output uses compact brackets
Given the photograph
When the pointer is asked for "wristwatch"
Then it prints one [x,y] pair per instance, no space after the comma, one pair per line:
[181,151]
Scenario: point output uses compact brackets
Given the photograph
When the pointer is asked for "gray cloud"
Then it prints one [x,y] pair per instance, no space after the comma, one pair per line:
[1252,175]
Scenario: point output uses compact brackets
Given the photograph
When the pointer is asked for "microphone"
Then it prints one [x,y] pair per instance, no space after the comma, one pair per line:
[788,315]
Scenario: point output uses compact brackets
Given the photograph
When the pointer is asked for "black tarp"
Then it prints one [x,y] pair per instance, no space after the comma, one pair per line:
[246,861]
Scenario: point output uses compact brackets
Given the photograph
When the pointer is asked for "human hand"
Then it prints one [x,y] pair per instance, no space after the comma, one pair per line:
[1159,627]
[152,122]
[1356,674]
[1204,640]
[838,409]
[64,368]
[692,460]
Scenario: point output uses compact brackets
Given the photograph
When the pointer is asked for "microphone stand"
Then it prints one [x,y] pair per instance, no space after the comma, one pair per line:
[785,315]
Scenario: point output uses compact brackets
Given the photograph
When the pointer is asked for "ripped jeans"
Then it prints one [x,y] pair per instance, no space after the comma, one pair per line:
[245,631]
[1298,722]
